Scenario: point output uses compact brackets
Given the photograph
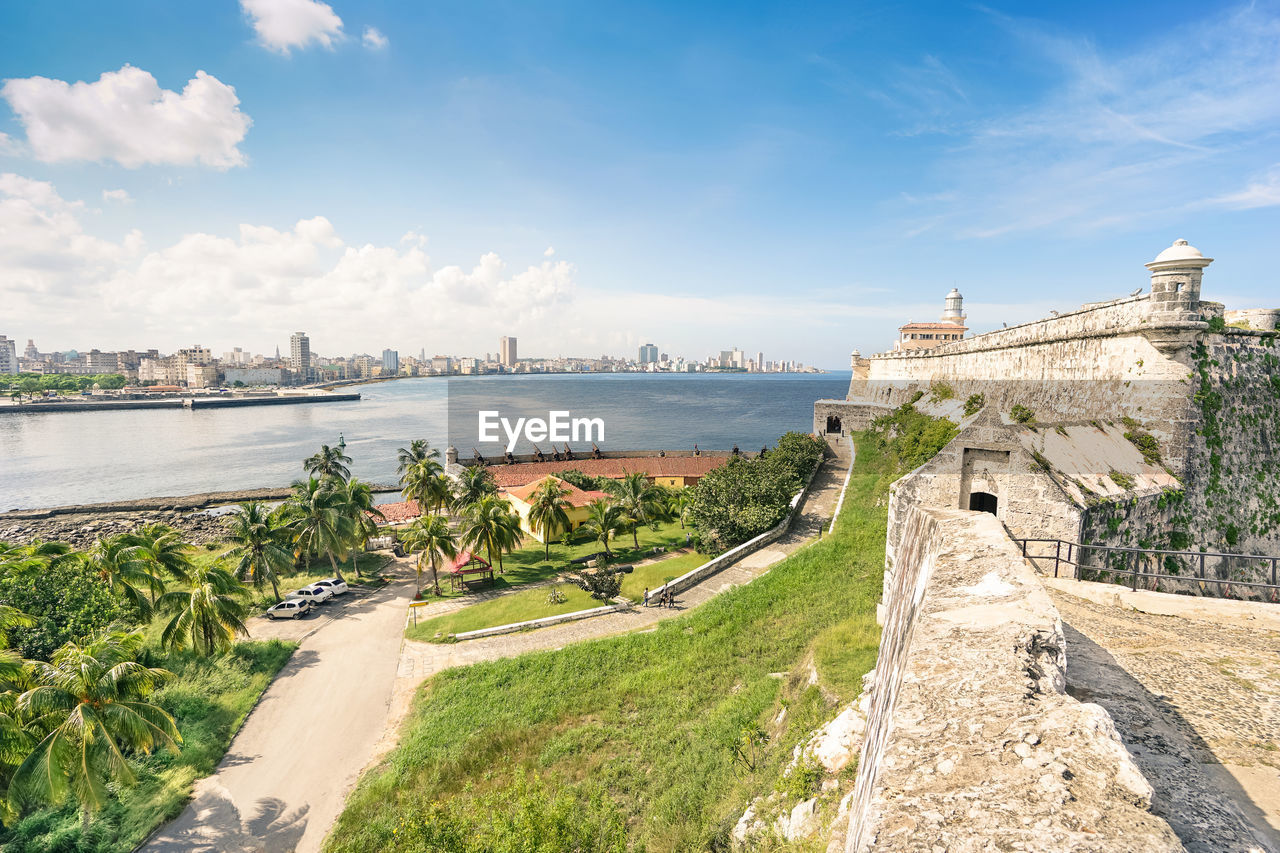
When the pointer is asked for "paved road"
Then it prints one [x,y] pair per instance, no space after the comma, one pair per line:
[287,774]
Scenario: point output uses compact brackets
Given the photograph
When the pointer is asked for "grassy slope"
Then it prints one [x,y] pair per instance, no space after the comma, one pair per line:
[210,700]
[644,721]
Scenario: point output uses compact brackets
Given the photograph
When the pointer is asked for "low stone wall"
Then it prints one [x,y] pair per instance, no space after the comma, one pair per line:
[733,555]
[545,621]
[971,741]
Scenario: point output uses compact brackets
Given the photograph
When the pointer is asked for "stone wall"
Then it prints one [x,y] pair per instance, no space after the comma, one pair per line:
[971,742]
[1265,319]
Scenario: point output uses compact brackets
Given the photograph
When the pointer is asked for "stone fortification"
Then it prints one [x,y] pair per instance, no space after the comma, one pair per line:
[971,742]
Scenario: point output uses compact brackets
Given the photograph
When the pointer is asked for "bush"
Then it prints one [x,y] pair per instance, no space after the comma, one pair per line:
[1021,414]
[67,601]
[739,501]
[940,391]
[799,454]
[584,481]
[602,584]
[974,404]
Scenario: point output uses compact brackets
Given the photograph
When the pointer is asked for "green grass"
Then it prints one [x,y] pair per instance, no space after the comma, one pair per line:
[640,726]
[656,574]
[526,564]
[516,607]
[209,700]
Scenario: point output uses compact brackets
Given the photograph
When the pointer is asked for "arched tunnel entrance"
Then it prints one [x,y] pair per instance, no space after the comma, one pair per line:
[833,424]
[983,502]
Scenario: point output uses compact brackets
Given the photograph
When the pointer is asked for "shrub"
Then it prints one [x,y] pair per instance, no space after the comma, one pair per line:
[740,500]
[584,481]
[602,584]
[1021,414]
[1217,324]
[940,391]
[67,601]
[974,404]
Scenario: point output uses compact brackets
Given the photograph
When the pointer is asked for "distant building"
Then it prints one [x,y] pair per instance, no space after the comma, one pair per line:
[648,354]
[255,376]
[300,354]
[929,335]
[8,356]
[202,376]
[507,352]
[390,362]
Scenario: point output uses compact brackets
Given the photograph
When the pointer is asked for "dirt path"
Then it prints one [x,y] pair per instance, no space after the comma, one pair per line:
[1197,704]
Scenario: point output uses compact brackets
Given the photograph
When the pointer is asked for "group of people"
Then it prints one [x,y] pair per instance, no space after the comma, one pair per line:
[666,598]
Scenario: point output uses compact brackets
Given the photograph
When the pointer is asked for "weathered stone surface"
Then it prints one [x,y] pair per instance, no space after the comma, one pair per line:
[972,743]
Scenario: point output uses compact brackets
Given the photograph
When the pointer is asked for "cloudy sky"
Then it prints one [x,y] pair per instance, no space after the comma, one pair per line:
[792,178]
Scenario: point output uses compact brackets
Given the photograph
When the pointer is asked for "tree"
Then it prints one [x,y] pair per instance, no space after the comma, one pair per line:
[491,524]
[603,520]
[549,512]
[430,537]
[90,706]
[125,572]
[259,554]
[418,451]
[678,503]
[320,527]
[423,482]
[638,502]
[66,599]
[162,552]
[208,616]
[328,463]
[738,501]
[358,506]
[602,584]
[474,483]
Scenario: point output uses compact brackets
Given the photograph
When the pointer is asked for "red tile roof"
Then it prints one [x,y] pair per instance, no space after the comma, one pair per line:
[576,496]
[954,326]
[523,473]
[398,513]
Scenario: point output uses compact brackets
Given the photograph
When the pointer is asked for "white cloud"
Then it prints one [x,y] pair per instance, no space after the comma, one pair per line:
[1260,193]
[551,250]
[374,39]
[285,24]
[8,145]
[121,196]
[125,116]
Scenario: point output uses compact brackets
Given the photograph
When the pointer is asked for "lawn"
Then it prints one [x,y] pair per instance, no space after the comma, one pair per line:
[261,599]
[516,607]
[209,700]
[627,743]
[656,574]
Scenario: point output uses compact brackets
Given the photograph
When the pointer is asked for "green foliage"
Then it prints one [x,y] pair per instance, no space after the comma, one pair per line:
[66,600]
[1121,479]
[651,717]
[556,596]
[35,383]
[1144,441]
[601,584]
[1217,324]
[584,481]
[909,439]
[738,501]
[940,391]
[974,404]
[1021,414]
[797,453]
[803,780]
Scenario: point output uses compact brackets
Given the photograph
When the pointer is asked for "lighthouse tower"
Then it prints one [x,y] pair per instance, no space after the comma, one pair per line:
[954,311]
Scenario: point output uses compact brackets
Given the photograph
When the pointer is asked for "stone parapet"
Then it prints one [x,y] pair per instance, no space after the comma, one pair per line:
[971,741]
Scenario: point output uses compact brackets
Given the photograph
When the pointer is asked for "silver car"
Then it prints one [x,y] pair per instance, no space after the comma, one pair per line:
[314,593]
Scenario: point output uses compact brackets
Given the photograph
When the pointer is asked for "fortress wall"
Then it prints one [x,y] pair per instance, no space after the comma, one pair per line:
[1265,319]
[971,742]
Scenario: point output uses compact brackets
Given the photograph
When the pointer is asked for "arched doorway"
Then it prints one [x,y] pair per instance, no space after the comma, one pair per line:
[983,502]
[833,424]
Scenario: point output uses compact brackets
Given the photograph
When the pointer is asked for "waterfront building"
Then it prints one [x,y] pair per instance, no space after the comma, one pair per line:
[929,335]
[507,352]
[256,376]
[8,355]
[648,354]
[300,354]
[390,362]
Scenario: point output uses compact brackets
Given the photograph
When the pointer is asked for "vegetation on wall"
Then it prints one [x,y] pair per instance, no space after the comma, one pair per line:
[974,404]
[940,391]
[1021,414]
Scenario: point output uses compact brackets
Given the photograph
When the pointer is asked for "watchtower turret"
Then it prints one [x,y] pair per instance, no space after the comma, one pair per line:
[1175,283]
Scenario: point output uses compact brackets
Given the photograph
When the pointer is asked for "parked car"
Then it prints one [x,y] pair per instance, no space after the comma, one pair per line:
[290,608]
[335,585]
[314,593]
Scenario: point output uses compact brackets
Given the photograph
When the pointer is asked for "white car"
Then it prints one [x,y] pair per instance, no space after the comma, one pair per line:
[335,585]
[290,608]
[314,593]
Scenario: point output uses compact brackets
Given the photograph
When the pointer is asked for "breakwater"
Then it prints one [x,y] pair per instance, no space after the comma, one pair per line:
[176,403]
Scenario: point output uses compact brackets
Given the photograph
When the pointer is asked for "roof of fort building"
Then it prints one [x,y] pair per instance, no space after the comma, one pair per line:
[522,473]
[575,496]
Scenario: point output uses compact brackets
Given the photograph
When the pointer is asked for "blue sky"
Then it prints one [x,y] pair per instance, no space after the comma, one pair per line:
[792,178]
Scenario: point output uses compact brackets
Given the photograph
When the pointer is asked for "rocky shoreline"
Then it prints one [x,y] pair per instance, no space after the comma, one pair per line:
[81,525]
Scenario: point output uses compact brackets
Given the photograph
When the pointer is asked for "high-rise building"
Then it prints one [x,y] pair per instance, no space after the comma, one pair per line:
[390,362]
[8,355]
[300,354]
[648,353]
[507,351]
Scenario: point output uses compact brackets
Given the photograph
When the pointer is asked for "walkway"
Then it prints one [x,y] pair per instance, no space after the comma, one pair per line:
[1197,704]
[419,661]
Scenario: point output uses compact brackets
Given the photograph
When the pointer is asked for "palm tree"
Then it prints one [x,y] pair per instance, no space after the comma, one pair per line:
[678,503]
[423,482]
[418,451]
[549,511]
[320,526]
[163,552]
[358,506]
[637,501]
[474,483]
[603,519]
[259,555]
[328,463]
[90,705]
[208,616]
[430,536]
[491,524]
[128,575]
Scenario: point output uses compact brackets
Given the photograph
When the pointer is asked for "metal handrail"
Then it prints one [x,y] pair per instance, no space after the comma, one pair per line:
[1075,557]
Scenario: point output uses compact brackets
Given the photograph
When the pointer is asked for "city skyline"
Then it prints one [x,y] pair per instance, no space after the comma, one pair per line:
[176,178]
